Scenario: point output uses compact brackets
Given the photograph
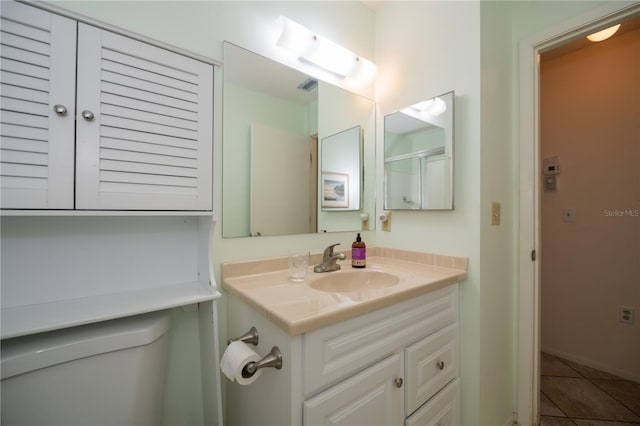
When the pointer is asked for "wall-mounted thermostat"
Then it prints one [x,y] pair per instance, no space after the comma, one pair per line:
[550,166]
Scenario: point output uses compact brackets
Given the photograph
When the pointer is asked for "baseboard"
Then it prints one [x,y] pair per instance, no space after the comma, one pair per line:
[593,364]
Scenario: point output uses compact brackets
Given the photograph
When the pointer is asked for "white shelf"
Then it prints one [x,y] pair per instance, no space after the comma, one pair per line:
[29,319]
[9,212]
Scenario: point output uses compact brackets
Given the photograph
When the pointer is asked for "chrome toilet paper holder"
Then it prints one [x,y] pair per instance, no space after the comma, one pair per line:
[250,337]
[272,359]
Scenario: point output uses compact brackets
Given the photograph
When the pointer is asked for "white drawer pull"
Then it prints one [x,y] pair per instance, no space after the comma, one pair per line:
[440,365]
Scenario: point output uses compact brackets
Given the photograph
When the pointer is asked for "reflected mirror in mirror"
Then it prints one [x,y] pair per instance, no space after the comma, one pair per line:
[273,119]
[340,178]
[418,156]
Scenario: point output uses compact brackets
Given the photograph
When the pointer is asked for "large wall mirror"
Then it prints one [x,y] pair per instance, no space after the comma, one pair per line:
[298,154]
[418,156]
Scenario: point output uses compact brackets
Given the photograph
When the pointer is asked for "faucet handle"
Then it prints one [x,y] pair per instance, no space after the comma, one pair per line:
[329,250]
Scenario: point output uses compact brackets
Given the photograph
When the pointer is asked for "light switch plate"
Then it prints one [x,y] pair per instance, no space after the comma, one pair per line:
[550,183]
[569,215]
[495,213]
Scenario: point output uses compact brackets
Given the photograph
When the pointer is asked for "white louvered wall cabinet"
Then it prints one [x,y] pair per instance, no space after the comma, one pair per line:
[131,130]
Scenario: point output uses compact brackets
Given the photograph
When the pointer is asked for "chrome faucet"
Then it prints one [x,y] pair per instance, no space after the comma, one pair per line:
[329,260]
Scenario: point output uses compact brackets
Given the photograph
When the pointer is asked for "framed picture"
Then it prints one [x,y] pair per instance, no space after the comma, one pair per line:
[335,190]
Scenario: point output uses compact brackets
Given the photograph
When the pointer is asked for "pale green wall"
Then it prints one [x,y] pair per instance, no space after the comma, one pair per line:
[497,254]
[415,62]
[241,107]
[339,110]
[424,49]
[183,398]
[531,17]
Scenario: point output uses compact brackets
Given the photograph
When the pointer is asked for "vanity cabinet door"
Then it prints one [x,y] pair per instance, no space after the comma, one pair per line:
[371,397]
[339,350]
[37,103]
[144,126]
[441,410]
[431,363]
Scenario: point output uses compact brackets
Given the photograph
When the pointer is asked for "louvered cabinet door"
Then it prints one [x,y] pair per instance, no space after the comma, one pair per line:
[38,63]
[144,126]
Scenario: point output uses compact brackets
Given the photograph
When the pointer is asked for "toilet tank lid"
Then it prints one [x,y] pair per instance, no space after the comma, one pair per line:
[28,353]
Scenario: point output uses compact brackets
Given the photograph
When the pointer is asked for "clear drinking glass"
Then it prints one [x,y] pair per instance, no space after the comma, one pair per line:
[298,265]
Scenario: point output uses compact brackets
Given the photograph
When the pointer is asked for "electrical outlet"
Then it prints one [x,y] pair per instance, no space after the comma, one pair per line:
[627,315]
[495,213]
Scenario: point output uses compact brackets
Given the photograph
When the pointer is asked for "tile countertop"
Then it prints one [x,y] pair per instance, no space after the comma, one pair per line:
[298,308]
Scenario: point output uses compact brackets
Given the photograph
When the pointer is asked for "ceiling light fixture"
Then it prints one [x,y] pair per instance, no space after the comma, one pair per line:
[321,52]
[604,34]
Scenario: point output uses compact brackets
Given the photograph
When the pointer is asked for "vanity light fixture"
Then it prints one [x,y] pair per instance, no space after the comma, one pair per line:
[431,107]
[435,106]
[604,34]
[321,52]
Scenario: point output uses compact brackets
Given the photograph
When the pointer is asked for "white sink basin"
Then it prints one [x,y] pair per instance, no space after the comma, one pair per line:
[354,280]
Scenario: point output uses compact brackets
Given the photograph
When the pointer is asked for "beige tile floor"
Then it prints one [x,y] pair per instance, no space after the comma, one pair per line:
[573,394]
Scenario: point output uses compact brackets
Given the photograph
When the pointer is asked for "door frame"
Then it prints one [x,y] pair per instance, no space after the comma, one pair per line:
[528,400]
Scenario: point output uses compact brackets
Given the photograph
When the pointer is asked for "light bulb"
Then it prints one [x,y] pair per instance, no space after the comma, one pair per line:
[604,34]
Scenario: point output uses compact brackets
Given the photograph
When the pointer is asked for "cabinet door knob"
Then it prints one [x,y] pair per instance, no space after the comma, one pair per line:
[440,365]
[87,115]
[398,382]
[60,109]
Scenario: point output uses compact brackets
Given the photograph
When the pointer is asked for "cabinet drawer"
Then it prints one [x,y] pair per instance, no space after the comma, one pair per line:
[369,398]
[334,352]
[430,364]
[441,410]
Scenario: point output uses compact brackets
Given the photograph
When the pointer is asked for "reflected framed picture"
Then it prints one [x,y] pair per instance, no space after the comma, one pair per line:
[335,190]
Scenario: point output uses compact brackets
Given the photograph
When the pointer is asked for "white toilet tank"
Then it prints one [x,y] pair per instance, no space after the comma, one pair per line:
[107,373]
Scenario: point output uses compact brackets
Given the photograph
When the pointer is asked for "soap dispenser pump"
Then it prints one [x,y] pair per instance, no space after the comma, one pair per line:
[358,253]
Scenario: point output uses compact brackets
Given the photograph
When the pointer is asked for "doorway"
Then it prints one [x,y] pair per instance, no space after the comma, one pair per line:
[529,344]
[590,151]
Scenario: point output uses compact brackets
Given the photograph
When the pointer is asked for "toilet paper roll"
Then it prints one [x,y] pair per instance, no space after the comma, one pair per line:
[235,358]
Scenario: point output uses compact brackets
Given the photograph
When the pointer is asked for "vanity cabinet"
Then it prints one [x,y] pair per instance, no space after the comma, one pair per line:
[371,397]
[395,365]
[132,129]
